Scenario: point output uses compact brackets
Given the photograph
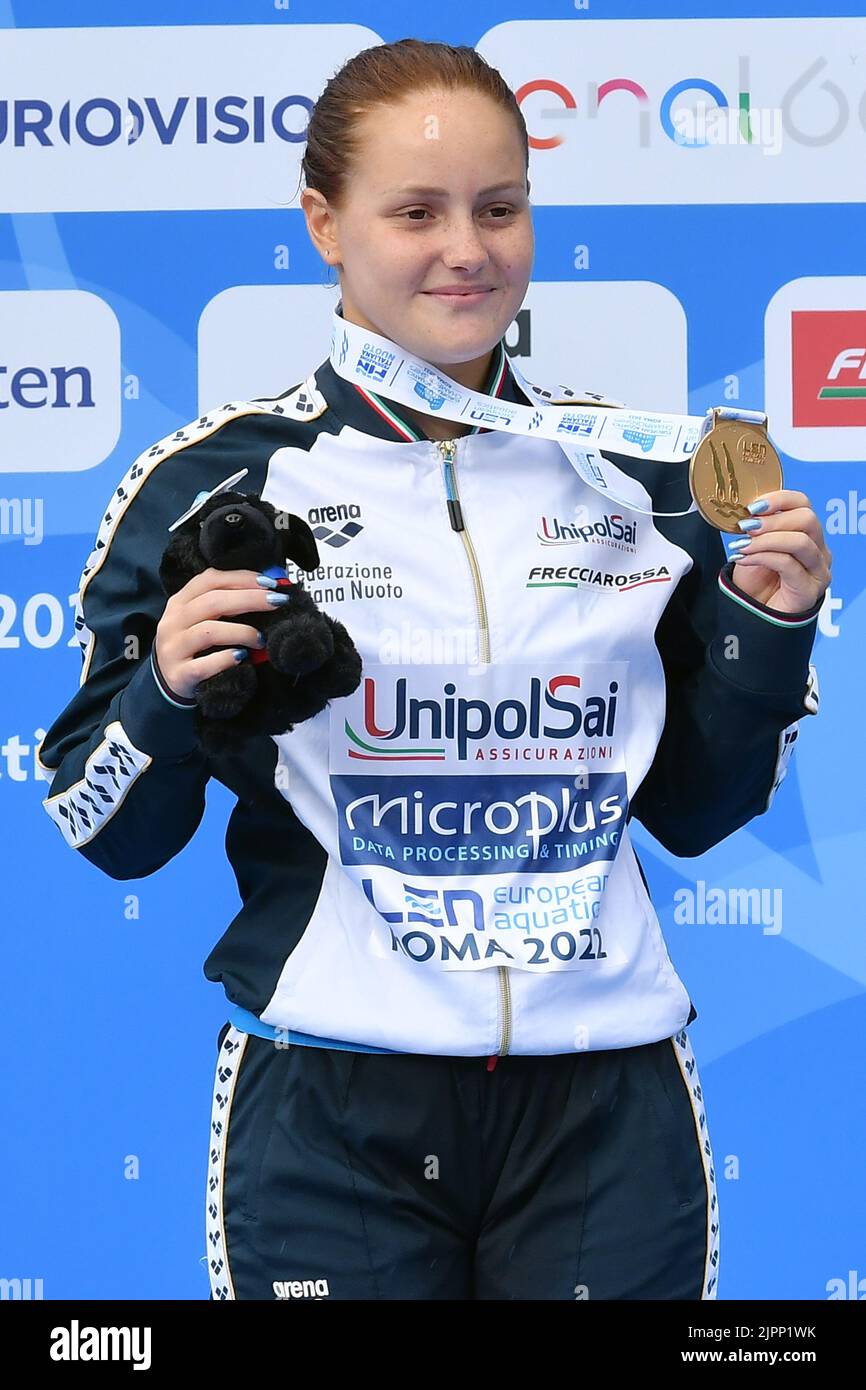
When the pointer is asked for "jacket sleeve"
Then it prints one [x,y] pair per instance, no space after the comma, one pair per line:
[738,680]
[129,772]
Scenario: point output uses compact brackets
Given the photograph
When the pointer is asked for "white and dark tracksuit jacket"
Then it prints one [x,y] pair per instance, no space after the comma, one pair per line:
[441,863]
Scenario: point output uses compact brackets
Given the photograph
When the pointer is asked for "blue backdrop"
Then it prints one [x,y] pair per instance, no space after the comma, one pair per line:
[693,275]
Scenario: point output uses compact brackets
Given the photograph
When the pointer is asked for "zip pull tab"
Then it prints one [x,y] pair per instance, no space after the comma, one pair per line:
[447,450]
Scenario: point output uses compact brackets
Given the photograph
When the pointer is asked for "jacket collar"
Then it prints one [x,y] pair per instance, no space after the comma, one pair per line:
[364,410]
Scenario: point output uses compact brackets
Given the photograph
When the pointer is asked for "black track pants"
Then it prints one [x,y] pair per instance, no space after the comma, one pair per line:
[352,1175]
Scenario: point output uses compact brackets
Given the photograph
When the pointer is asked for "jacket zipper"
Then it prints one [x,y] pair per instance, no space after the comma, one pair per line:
[448,453]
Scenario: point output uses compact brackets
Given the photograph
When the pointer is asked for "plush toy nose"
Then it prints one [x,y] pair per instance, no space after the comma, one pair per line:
[238,536]
[229,528]
[233,529]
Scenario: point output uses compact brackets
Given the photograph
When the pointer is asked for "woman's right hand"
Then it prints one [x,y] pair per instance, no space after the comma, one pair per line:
[191,624]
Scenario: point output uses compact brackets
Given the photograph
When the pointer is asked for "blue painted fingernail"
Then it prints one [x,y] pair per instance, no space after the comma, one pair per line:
[240,653]
[753,525]
[277,598]
[266,580]
[263,639]
[762,505]
[741,542]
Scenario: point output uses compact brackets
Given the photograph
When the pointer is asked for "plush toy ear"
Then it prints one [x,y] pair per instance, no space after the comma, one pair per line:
[181,560]
[300,544]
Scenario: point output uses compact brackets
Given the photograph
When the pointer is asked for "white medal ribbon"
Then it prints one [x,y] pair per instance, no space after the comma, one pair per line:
[202,497]
[367,359]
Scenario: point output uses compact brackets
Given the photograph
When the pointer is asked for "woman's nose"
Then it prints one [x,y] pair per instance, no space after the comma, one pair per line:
[463,244]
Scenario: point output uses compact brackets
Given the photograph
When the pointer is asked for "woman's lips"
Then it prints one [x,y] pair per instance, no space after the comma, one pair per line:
[462,299]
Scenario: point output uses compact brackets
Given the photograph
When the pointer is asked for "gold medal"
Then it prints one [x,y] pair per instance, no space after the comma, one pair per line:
[733,465]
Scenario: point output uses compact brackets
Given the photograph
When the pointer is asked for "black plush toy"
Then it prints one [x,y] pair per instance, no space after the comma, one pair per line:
[309,658]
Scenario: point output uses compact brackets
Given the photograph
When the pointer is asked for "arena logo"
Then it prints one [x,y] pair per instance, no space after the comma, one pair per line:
[347,512]
[34,123]
[454,720]
[584,576]
[301,1288]
[610,530]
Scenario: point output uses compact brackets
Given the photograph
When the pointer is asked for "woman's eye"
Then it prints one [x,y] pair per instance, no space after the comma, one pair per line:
[500,208]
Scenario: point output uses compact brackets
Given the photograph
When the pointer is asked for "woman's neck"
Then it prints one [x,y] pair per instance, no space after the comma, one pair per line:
[433,426]
[474,376]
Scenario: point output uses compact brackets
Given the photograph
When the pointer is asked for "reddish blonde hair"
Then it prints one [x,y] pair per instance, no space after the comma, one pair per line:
[382,74]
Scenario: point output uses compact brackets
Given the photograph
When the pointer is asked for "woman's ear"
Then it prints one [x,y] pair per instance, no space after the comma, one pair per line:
[300,544]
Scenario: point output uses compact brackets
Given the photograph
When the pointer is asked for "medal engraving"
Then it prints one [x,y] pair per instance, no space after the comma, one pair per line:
[733,464]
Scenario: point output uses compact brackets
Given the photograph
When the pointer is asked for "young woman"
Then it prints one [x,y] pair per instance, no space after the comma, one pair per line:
[457,1063]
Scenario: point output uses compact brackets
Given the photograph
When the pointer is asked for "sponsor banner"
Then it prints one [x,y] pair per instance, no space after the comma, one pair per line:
[480,814]
[59,381]
[177,116]
[815,368]
[709,111]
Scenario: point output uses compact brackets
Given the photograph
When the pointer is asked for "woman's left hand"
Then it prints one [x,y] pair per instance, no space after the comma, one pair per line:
[787,564]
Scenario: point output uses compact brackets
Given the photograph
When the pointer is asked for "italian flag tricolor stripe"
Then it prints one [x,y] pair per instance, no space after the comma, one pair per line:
[405,430]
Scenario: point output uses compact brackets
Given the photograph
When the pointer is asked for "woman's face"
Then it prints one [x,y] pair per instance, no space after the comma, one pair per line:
[396,245]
